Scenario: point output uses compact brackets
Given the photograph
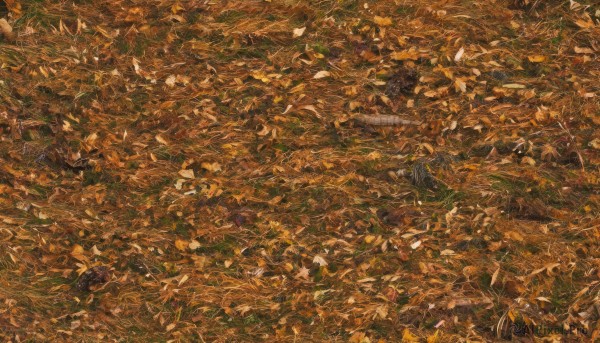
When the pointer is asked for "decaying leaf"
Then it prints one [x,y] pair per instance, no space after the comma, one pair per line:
[403,81]
[93,277]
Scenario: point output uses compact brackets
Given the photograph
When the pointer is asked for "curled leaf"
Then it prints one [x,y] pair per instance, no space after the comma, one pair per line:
[322,74]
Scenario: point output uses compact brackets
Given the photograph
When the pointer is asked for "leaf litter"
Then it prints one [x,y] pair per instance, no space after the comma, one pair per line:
[192,170]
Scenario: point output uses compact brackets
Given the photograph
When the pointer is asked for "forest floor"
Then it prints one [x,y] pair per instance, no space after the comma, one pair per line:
[195,171]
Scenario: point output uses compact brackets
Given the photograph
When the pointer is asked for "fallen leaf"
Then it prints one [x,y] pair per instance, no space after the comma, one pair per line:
[170,81]
[579,50]
[383,21]
[194,244]
[459,54]
[161,140]
[299,32]
[408,337]
[6,30]
[211,167]
[494,277]
[322,74]
[595,143]
[411,54]
[536,58]
[460,85]
[187,173]
[319,260]
[181,245]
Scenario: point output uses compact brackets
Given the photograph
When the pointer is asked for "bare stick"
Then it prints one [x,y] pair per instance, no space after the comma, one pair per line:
[385,120]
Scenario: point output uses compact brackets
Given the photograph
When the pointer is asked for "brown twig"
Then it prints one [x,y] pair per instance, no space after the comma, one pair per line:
[385,120]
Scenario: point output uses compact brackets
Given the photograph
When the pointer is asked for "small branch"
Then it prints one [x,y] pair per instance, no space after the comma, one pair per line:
[385,120]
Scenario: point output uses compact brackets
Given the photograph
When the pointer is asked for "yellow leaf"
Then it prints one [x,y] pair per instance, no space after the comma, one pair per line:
[180,244]
[407,336]
[514,235]
[327,165]
[211,167]
[259,75]
[435,338]
[77,253]
[77,250]
[383,21]
[536,58]
[528,160]
[357,337]
[411,54]
[176,8]
[375,155]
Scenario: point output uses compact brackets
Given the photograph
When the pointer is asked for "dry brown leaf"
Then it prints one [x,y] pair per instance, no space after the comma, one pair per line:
[6,30]
[494,277]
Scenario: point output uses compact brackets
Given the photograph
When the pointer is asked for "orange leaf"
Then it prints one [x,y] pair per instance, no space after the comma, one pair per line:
[181,245]
[536,58]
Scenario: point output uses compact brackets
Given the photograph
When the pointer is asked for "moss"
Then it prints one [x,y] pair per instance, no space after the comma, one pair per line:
[91,178]
[484,280]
